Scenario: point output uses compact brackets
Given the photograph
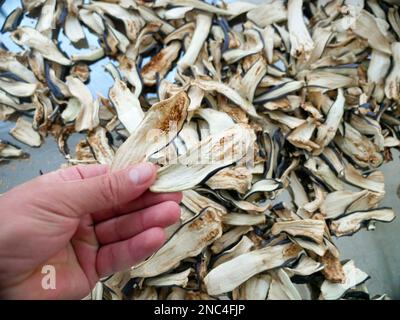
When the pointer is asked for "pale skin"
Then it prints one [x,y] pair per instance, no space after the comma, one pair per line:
[86,222]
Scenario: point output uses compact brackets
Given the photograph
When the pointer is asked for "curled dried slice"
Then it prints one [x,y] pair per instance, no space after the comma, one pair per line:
[24,132]
[7,150]
[351,222]
[229,275]
[353,277]
[160,64]
[18,88]
[128,107]
[212,154]
[88,117]
[188,241]
[300,39]
[209,85]
[26,36]
[100,146]
[160,126]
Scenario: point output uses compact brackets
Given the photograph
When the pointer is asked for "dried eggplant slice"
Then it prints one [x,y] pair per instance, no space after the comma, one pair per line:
[306,228]
[351,222]
[336,203]
[88,117]
[238,178]
[243,246]
[203,25]
[229,275]
[281,287]
[353,277]
[179,279]
[209,85]
[243,219]
[212,154]
[98,142]
[24,132]
[128,107]
[18,88]
[188,241]
[7,150]
[160,125]
[26,36]
[160,64]
[256,288]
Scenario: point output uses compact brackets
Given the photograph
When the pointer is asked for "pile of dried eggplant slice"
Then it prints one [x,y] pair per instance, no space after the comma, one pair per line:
[238,103]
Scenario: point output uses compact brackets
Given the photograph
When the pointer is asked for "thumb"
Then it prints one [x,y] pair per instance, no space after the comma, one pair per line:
[81,191]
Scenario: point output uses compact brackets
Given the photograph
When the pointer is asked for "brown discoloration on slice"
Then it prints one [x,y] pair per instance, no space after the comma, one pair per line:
[333,270]
[176,112]
[160,64]
[292,251]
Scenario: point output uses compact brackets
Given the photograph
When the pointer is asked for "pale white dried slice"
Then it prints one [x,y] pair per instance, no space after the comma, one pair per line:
[264,185]
[268,13]
[367,27]
[252,45]
[210,85]
[353,277]
[351,222]
[128,107]
[195,202]
[203,25]
[285,119]
[132,21]
[377,71]
[24,132]
[7,150]
[229,238]
[281,287]
[243,246]
[317,248]
[327,131]
[160,125]
[73,29]
[306,228]
[9,62]
[18,88]
[46,21]
[301,136]
[256,288]
[214,153]
[237,178]
[26,36]
[91,55]
[231,274]
[243,219]
[304,267]
[374,182]
[200,5]
[100,146]
[217,121]
[336,203]
[301,42]
[72,110]
[392,86]
[279,91]
[179,279]
[188,241]
[93,20]
[88,117]
[323,172]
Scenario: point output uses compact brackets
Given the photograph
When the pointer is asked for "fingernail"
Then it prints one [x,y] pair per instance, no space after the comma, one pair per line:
[141,173]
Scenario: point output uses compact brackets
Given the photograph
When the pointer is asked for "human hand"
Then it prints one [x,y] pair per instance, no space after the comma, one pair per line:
[86,222]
